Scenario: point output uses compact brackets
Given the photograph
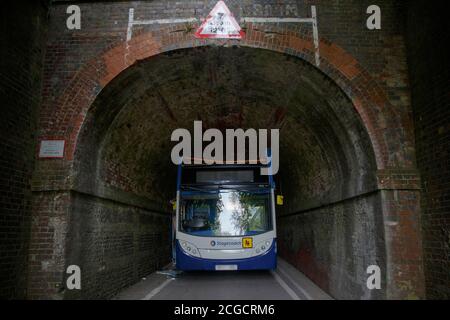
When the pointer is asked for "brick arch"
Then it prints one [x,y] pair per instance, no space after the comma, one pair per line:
[390,134]
[369,100]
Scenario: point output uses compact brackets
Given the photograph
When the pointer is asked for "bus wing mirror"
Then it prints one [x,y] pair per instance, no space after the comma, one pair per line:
[174,204]
[280,200]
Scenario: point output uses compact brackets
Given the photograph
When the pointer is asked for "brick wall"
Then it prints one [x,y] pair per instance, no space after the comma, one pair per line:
[428,35]
[368,66]
[47,257]
[114,244]
[372,61]
[23,31]
[334,245]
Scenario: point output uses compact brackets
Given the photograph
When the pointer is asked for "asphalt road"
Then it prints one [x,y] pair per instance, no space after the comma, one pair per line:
[286,283]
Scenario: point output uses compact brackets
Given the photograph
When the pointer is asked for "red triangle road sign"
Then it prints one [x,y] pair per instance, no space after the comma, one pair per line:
[220,24]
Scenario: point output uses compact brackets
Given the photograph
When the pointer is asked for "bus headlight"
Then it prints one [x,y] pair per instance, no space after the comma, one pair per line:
[263,247]
[190,249]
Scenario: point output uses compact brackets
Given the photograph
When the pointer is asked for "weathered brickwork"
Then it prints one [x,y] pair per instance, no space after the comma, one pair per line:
[401,212]
[115,245]
[430,72]
[368,67]
[111,197]
[334,245]
[23,30]
[343,66]
[47,256]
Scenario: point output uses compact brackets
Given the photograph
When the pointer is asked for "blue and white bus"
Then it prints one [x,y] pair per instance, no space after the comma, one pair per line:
[225,218]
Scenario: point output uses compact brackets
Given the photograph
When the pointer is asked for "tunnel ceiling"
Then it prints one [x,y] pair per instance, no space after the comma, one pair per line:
[325,152]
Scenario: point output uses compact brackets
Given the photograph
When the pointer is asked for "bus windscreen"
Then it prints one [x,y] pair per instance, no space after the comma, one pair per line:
[225,213]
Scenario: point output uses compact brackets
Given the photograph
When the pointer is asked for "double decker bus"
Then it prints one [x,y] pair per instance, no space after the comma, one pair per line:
[225,218]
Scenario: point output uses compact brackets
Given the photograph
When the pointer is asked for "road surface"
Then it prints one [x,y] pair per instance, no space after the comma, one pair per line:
[286,283]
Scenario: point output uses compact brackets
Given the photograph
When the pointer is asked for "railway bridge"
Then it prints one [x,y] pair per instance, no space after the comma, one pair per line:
[93,90]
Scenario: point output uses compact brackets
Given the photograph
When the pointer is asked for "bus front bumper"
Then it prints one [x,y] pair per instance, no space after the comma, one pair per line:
[267,261]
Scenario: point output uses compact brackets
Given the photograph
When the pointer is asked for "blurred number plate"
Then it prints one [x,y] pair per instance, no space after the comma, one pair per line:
[226,267]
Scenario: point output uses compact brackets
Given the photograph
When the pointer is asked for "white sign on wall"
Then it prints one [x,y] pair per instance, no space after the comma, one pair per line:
[220,24]
[52,149]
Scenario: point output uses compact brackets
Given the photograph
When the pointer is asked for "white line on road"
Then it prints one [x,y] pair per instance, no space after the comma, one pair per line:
[157,290]
[295,283]
[285,286]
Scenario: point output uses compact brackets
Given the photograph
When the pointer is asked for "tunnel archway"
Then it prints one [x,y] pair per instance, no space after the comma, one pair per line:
[387,140]
[331,227]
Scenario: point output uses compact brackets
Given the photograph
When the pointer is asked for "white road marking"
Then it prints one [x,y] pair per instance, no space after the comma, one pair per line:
[285,286]
[157,289]
[295,283]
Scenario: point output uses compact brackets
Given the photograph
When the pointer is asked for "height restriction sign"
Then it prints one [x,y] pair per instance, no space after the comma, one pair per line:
[220,24]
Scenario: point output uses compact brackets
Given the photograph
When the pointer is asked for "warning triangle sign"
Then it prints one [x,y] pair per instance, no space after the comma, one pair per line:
[220,24]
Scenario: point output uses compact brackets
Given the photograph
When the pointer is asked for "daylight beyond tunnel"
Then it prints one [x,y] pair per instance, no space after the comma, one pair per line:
[330,226]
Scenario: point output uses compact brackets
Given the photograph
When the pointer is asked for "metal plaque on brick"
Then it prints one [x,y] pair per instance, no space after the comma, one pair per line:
[52,149]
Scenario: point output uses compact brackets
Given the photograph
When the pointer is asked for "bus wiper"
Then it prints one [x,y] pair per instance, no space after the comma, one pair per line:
[247,190]
[200,189]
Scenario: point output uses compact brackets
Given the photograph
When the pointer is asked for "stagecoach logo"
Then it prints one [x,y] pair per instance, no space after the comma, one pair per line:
[225,243]
[238,142]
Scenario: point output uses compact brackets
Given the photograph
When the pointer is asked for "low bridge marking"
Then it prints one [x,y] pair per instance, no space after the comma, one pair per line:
[313,21]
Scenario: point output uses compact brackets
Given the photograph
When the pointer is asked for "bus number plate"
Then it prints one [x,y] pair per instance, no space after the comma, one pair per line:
[226,267]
